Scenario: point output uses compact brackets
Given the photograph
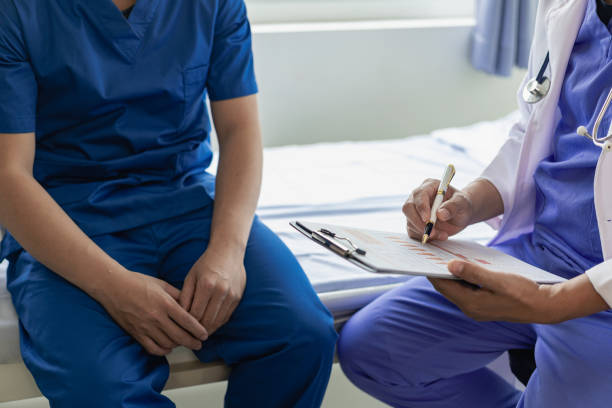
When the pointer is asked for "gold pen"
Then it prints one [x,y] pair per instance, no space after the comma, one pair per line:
[449,173]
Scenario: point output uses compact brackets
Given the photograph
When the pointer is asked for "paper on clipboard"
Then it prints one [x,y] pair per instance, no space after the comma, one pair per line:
[388,252]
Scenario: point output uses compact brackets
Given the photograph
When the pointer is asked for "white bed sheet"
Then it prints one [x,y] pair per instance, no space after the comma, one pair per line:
[365,184]
[350,183]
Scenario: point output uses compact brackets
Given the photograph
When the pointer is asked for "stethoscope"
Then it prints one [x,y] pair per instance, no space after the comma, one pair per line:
[599,141]
[537,88]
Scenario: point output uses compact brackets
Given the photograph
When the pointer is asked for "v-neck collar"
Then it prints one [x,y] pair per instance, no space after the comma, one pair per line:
[127,34]
[126,13]
[597,30]
[604,11]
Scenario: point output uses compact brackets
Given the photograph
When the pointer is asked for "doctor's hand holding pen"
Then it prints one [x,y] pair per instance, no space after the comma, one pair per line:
[493,296]
[477,202]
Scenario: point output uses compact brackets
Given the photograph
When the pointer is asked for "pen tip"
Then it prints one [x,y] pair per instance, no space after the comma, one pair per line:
[425,238]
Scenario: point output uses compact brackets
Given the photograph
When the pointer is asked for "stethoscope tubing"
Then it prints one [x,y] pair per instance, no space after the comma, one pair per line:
[540,76]
[598,141]
[534,97]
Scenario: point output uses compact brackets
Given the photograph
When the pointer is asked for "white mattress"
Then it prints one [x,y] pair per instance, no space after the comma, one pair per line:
[351,183]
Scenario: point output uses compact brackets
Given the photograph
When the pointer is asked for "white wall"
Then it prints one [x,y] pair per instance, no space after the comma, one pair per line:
[283,11]
[371,80]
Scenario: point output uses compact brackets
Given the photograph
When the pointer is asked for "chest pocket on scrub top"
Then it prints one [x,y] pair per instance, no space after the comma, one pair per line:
[194,84]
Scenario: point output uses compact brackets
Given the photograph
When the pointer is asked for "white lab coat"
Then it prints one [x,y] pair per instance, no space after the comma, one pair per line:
[531,140]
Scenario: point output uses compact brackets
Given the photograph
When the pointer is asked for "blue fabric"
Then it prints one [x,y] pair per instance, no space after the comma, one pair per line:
[122,130]
[565,239]
[413,348]
[280,340]
[502,36]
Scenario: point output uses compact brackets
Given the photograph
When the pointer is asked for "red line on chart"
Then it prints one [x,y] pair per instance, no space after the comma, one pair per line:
[484,262]
[450,252]
[398,240]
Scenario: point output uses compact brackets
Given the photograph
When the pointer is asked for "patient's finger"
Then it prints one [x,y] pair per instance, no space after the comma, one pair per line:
[187,321]
[172,291]
[161,339]
[226,312]
[179,335]
[213,308]
[201,297]
[187,292]
[152,347]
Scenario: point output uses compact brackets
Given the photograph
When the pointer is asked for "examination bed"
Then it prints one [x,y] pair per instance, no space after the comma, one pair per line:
[352,183]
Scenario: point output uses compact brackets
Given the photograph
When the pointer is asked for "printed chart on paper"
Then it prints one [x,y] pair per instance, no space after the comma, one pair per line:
[397,253]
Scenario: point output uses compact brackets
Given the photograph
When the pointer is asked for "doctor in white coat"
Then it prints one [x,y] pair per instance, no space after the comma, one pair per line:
[549,193]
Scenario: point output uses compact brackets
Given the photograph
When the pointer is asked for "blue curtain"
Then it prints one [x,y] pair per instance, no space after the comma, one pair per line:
[502,36]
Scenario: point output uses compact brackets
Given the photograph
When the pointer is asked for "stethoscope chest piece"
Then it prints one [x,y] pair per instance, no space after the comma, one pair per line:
[535,91]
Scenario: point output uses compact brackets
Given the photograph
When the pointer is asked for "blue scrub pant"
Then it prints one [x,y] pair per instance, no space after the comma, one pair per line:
[279,342]
[413,348]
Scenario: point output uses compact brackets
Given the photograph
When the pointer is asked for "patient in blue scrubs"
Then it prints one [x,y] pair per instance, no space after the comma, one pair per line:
[121,245]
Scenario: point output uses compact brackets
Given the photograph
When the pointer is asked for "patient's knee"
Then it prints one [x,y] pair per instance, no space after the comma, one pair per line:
[315,336]
[101,384]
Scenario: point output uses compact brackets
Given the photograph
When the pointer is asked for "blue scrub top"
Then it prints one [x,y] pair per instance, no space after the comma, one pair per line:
[565,239]
[118,107]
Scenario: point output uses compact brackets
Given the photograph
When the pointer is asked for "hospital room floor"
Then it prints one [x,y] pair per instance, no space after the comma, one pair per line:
[340,393]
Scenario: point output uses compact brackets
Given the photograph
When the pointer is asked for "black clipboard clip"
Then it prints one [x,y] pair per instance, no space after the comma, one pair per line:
[329,240]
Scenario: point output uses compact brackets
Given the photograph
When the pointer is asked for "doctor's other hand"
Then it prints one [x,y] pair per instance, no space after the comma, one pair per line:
[148,309]
[214,287]
[455,213]
[498,296]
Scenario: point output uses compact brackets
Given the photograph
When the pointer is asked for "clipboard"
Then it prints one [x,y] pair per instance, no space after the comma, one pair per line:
[394,253]
[329,241]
